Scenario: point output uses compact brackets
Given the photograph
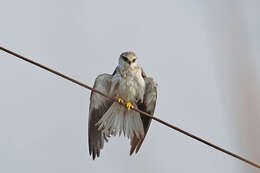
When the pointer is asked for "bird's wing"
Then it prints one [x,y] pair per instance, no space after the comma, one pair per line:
[98,106]
[148,106]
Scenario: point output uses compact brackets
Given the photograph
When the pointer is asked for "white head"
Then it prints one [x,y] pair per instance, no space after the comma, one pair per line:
[127,60]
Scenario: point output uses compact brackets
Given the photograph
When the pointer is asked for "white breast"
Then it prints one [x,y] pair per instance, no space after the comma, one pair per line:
[131,85]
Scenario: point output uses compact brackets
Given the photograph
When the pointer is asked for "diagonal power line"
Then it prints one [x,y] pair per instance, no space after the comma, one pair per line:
[137,110]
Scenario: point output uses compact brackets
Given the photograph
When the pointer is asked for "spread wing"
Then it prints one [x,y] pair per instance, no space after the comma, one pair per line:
[98,106]
[148,106]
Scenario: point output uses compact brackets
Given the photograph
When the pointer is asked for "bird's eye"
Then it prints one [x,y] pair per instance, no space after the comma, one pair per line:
[134,60]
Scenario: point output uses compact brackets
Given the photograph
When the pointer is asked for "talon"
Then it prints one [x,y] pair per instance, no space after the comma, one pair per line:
[129,106]
[120,100]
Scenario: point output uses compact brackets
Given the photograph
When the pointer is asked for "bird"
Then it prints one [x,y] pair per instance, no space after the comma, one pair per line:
[129,85]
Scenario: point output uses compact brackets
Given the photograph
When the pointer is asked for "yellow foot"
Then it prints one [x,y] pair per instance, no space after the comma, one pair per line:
[129,106]
[120,100]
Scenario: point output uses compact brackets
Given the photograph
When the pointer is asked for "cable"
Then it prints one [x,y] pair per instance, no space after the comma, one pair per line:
[137,110]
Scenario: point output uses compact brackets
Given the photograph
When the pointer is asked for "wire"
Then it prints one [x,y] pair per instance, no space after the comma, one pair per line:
[137,110]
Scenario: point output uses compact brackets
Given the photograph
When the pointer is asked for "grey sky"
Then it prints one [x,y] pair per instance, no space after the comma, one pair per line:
[188,46]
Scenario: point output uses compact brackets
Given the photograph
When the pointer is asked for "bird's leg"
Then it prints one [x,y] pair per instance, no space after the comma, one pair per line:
[129,106]
[120,100]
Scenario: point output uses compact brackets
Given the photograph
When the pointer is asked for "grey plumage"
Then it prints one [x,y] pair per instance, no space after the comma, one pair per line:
[106,118]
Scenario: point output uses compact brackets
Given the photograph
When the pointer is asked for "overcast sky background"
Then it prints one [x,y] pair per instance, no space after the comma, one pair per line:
[204,55]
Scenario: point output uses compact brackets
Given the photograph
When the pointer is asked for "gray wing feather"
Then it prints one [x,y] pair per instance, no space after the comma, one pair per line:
[98,106]
[148,106]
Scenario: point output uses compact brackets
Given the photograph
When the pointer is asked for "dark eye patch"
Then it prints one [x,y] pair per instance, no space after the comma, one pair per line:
[134,60]
[125,58]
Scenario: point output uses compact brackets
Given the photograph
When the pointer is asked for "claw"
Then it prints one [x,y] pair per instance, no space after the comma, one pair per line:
[129,106]
[120,100]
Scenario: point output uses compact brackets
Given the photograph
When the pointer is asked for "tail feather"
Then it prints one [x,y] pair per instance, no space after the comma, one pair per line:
[117,120]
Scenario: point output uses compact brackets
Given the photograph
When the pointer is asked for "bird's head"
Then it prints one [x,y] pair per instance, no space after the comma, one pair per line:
[128,59]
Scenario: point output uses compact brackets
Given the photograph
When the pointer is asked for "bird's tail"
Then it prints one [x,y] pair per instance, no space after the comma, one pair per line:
[118,120]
